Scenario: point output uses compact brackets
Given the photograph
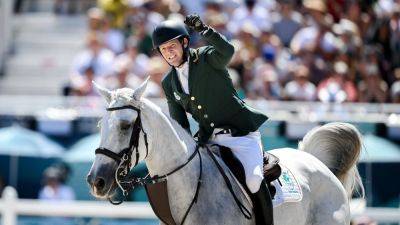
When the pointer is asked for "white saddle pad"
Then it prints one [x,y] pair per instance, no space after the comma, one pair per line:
[287,188]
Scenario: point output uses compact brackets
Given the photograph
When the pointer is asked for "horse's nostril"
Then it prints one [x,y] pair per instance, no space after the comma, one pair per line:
[99,183]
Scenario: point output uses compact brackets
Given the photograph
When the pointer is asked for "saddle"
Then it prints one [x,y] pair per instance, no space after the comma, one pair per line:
[272,169]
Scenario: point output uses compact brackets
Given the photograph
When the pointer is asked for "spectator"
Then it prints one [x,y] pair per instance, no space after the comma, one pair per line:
[315,44]
[93,63]
[65,171]
[395,89]
[125,78]
[248,35]
[113,38]
[300,89]
[145,44]
[265,84]
[95,19]
[318,67]
[372,88]
[246,53]
[251,13]
[337,88]
[123,75]
[395,36]
[216,17]
[316,36]
[115,10]
[349,35]
[316,11]
[287,23]
[269,46]
[54,189]
[274,35]
[137,62]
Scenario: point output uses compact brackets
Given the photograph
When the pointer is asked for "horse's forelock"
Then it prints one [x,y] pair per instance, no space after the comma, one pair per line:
[122,97]
[125,94]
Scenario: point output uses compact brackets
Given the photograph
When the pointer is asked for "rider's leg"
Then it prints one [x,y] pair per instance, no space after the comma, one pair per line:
[263,208]
[248,149]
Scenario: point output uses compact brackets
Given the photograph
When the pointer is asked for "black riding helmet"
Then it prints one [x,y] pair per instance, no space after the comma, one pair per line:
[170,30]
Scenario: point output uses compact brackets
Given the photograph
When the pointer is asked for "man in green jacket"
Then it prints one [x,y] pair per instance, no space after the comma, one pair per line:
[199,83]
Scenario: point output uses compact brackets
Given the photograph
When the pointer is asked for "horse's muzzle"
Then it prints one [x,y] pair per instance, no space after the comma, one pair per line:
[100,186]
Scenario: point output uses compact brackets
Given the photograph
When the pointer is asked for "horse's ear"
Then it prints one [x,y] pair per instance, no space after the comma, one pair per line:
[103,92]
[138,93]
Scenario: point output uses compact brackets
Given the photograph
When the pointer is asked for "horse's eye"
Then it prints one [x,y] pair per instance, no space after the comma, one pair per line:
[125,126]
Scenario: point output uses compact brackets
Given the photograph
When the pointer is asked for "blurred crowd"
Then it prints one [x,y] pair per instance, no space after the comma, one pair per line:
[54,184]
[310,50]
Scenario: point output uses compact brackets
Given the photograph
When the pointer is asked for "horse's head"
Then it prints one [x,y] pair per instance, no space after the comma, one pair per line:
[121,130]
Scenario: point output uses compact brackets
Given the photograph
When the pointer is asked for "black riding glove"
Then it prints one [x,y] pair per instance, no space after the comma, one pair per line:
[194,22]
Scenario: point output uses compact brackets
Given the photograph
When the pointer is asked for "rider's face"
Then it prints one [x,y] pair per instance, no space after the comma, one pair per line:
[172,51]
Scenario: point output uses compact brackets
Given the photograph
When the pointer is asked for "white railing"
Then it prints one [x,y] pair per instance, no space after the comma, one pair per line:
[11,207]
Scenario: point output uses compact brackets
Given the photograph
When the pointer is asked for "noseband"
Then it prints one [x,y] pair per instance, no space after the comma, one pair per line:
[123,158]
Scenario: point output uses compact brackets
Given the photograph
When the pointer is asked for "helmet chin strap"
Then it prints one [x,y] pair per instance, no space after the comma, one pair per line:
[185,52]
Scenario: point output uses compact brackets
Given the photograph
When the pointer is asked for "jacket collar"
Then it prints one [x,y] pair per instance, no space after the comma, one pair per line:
[193,58]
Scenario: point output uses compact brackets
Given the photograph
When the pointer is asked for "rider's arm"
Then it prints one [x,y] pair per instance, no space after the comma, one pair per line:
[221,50]
[176,111]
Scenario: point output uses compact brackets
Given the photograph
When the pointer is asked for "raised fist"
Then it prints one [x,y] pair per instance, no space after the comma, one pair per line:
[194,22]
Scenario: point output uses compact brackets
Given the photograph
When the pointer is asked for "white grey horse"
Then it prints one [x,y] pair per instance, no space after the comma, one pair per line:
[325,168]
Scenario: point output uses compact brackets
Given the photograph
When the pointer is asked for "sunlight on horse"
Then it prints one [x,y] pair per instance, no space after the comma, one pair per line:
[330,150]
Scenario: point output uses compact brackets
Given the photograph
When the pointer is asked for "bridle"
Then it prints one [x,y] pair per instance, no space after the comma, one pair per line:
[125,182]
[123,158]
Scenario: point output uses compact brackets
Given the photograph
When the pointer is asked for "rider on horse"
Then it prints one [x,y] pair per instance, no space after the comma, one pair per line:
[199,83]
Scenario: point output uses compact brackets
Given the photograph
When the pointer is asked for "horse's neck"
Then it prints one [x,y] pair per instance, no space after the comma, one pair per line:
[170,146]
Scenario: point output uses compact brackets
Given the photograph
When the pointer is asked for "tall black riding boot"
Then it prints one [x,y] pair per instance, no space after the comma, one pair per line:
[262,202]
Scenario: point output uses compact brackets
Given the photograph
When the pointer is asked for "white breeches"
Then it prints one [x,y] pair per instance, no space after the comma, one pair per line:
[248,149]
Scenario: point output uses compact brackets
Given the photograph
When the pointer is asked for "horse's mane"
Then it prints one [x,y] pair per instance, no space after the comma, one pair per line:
[183,134]
[125,95]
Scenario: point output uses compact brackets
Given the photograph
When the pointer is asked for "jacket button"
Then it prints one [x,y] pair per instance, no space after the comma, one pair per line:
[199,106]
[212,124]
[192,98]
[205,116]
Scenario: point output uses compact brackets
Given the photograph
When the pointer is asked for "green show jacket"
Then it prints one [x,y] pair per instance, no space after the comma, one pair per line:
[213,101]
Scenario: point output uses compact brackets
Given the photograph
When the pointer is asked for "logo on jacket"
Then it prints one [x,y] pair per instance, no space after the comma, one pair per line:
[177,96]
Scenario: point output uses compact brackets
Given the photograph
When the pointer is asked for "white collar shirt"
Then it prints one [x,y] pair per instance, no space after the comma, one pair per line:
[183,75]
